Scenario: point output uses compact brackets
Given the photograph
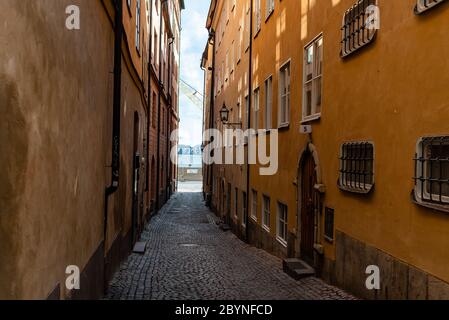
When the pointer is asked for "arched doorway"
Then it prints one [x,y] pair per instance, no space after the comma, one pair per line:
[309,203]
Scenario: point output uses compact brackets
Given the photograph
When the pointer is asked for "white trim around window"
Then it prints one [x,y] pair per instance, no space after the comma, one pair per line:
[313,79]
[284,86]
[268,111]
[266,212]
[282,223]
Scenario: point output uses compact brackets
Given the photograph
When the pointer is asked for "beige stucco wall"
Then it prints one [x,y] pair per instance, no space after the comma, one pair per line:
[54,139]
[391,93]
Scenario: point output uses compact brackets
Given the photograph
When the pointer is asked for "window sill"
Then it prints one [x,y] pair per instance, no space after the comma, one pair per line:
[311,118]
[266,228]
[257,33]
[269,16]
[429,205]
[328,239]
[355,190]
[284,126]
[281,241]
[254,218]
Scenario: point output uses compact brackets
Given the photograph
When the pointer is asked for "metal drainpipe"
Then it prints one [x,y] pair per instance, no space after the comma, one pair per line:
[159,109]
[212,107]
[150,96]
[115,167]
[250,94]
[168,172]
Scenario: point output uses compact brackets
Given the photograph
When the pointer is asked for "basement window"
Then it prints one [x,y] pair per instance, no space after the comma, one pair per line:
[424,5]
[357,167]
[432,172]
[329,224]
[359,27]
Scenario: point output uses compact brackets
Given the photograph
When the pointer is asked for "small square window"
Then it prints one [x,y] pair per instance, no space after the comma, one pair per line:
[359,26]
[432,172]
[424,5]
[357,167]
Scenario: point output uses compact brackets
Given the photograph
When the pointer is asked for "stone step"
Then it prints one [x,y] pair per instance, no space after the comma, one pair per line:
[225,227]
[297,269]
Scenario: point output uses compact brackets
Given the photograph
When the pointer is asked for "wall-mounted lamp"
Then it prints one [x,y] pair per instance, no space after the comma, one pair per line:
[224,117]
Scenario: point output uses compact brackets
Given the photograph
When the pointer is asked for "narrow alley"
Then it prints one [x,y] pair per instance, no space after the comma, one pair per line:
[188,257]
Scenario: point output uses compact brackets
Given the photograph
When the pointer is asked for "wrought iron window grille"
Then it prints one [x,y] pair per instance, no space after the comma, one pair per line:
[357,167]
[424,5]
[432,172]
[356,29]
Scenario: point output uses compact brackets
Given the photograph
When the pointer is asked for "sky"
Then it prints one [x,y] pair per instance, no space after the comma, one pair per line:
[193,41]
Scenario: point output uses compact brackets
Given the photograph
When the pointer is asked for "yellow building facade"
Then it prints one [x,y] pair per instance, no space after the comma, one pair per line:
[357,93]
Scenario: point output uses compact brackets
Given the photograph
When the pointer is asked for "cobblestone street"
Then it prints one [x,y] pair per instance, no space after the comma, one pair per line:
[189,257]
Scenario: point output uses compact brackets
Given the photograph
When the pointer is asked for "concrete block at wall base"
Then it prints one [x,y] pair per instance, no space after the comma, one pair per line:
[417,284]
[393,278]
[437,289]
[398,280]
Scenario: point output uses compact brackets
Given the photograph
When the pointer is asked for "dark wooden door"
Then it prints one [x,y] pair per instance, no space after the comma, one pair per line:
[308,206]
[135,181]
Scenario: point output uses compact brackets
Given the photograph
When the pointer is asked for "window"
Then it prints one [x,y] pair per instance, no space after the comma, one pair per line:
[284,91]
[239,46]
[245,215]
[269,7]
[138,25]
[232,56]
[424,5]
[156,49]
[239,110]
[154,111]
[329,224]
[256,108]
[254,205]
[245,124]
[266,213]
[247,26]
[268,103]
[359,26]
[282,223]
[227,66]
[258,16]
[357,167]
[432,172]
[236,202]
[313,74]
[128,2]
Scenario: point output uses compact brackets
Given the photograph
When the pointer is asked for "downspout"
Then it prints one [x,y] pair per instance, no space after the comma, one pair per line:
[150,95]
[161,85]
[250,94]
[169,116]
[212,110]
[115,167]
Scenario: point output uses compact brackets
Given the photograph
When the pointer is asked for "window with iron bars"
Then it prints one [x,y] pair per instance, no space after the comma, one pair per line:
[424,5]
[432,172]
[357,167]
[357,30]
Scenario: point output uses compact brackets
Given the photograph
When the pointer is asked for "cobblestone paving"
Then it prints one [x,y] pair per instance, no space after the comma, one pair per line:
[189,257]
